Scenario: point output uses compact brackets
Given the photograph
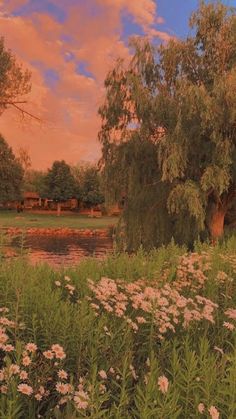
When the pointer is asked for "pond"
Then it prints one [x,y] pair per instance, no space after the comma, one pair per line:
[62,250]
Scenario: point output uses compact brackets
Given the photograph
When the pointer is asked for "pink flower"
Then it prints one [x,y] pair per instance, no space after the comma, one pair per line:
[9,348]
[228,326]
[163,384]
[31,347]
[48,354]
[81,399]
[59,351]
[62,374]
[231,313]
[214,412]
[201,407]
[3,389]
[60,355]
[57,283]
[26,361]
[23,375]
[14,369]
[25,389]
[38,397]
[63,388]
[103,374]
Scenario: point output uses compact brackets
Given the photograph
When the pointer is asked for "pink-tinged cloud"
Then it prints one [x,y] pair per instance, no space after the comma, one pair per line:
[64,96]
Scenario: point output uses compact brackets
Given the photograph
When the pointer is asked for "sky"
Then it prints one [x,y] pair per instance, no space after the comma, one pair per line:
[69,46]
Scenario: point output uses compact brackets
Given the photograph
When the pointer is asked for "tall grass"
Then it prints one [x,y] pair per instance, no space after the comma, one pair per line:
[115,361]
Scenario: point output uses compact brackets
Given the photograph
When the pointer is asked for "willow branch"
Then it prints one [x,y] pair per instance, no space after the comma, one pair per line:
[19,108]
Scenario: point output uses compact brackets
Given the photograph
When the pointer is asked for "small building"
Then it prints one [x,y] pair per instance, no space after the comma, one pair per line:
[31,200]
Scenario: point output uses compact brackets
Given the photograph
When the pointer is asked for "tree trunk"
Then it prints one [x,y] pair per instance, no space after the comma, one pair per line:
[58,209]
[216,224]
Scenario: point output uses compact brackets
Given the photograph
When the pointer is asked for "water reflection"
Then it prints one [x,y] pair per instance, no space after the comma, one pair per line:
[63,251]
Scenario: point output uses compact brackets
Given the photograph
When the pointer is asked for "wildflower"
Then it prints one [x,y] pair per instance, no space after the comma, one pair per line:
[25,389]
[67,278]
[163,384]
[63,388]
[62,374]
[103,374]
[111,370]
[228,326]
[214,412]
[201,407]
[81,399]
[141,320]
[14,369]
[3,337]
[23,375]
[31,347]
[3,389]
[26,361]
[48,354]
[41,390]
[8,348]
[57,283]
[70,288]
[231,313]
[59,351]
[60,355]
[38,397]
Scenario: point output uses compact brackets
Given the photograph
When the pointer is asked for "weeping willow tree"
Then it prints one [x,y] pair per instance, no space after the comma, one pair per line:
[169,131]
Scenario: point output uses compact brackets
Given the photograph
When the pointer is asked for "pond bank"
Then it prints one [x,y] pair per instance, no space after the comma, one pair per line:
[62,231]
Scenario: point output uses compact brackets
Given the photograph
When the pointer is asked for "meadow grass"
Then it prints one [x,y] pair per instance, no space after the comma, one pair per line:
[34,220]
[142,336]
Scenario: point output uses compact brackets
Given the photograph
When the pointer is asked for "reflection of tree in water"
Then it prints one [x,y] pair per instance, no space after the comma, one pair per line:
[86,246]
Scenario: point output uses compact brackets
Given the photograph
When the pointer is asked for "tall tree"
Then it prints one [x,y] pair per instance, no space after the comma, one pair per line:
[24,158]
[180,101]
[11,174]
[60,183]
[14,81]
[34,181]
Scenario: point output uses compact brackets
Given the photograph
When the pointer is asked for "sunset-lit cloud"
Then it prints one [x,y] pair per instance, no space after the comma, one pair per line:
[69,46]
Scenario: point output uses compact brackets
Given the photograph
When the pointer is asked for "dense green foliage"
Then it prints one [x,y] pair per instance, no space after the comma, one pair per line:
[11,174]
[88,181]
[197,357]
[169,129]
[60,182]
[34,181]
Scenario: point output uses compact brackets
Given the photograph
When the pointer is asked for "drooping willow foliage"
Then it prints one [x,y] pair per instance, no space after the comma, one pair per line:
[169,133]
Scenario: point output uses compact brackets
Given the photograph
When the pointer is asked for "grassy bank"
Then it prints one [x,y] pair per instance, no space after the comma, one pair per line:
[31,220]
[147,336]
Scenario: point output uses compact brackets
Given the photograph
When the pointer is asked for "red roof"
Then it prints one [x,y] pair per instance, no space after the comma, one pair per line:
[31,195]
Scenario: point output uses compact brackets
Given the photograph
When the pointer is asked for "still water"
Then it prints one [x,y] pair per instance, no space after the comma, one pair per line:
[62,251]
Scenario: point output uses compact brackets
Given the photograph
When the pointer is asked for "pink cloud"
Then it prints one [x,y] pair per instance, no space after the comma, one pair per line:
[69,108]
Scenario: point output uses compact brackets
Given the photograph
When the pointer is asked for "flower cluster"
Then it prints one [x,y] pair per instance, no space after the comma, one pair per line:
[138,304]
[65,285]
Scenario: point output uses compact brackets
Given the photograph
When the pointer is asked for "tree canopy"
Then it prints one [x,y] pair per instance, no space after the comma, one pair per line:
[89,184]
[11,174]
[169,132]
[60,183]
